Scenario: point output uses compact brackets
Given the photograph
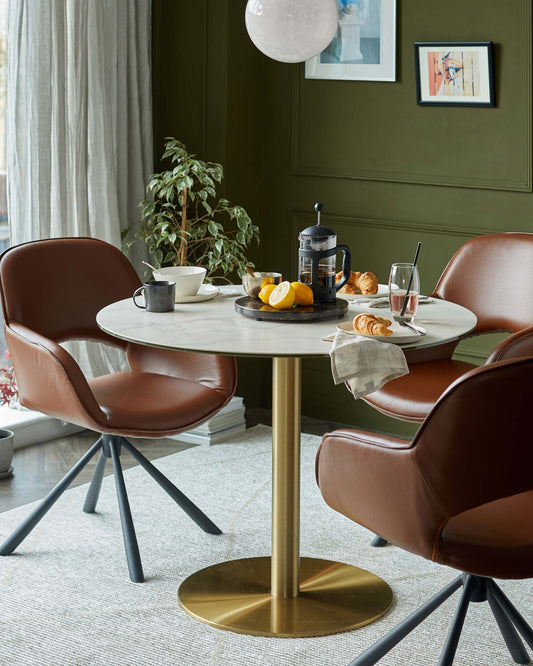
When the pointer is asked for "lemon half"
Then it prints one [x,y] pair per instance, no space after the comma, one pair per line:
[282,296]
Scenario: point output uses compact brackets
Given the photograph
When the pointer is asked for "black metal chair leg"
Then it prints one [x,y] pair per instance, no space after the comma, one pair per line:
[96,483]
[182,500]
[128,531]
[454,633]
[378,542]
[396,635]
[35,516]
[523,627]
[508,631]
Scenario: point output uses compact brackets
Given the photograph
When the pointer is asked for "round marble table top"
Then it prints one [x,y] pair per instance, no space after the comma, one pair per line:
[215,327]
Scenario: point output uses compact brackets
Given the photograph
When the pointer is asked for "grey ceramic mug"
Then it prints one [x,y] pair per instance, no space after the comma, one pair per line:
[158,296]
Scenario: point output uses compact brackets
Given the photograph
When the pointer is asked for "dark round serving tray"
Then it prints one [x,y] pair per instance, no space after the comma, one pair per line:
[254,308]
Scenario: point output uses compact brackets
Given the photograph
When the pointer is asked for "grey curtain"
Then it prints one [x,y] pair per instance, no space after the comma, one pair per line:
[79,122]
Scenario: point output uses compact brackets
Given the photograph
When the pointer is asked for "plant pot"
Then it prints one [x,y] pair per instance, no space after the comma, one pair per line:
[6,452]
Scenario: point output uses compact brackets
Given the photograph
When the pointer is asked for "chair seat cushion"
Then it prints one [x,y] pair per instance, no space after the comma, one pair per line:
[411,397]
[494,539]
[147,404]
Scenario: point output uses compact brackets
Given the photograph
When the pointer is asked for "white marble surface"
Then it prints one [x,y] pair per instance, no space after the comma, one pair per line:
[214,326]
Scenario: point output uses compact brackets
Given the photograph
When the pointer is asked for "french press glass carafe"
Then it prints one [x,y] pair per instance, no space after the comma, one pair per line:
[317,260]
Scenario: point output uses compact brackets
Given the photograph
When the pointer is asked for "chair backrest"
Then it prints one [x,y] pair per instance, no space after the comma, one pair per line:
[492,275]
[475,445]
[56,287]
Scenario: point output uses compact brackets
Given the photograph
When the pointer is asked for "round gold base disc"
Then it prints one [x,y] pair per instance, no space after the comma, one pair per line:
[334,597]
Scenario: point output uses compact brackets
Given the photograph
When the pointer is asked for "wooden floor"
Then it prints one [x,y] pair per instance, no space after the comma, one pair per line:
[38,468]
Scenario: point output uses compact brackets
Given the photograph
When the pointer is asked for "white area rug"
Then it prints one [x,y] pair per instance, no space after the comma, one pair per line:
[66,598]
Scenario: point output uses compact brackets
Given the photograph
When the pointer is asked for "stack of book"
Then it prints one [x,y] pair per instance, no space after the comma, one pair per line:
[227,422]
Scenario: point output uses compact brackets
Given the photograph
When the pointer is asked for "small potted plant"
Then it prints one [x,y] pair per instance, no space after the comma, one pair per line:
[8,397]
[185,224]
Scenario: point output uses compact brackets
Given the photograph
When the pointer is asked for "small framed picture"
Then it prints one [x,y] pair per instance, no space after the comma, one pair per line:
[454,73]
[364,46]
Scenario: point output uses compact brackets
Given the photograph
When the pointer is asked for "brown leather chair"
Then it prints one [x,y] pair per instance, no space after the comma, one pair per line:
[51,291]
[460,494]
[491,275]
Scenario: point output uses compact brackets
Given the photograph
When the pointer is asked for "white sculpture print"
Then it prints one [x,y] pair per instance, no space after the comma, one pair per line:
[352,15]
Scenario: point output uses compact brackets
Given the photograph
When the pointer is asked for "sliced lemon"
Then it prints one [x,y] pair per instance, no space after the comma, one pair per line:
[282,296]
[264,294]
[303,293]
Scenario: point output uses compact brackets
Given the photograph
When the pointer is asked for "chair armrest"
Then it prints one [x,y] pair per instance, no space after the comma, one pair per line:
[517,345]
[49,380]
[216,372]
[374,480]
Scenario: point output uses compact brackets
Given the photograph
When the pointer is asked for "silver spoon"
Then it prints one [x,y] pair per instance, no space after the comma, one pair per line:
[149,265]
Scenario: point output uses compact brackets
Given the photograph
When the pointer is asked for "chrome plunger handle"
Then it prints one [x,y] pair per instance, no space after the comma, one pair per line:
[318,207]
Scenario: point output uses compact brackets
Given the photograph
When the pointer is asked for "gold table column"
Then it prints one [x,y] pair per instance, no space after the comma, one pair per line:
[286,399]
[285,595]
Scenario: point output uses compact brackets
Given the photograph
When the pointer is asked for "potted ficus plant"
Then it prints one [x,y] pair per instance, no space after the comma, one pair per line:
[185,223]
[9,397]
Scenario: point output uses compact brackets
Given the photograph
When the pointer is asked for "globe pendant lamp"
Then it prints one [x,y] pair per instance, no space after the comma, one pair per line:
[291,30]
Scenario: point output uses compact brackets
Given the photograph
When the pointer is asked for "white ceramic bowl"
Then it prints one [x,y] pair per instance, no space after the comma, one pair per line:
[188,279]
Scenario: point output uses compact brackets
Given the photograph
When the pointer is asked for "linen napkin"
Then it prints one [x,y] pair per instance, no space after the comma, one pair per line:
[365,364]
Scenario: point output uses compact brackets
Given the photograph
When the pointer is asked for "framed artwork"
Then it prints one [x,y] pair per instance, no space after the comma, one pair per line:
[454,73]
[364,46]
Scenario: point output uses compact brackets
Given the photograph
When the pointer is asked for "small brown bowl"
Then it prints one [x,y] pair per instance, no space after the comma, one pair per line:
[253,285]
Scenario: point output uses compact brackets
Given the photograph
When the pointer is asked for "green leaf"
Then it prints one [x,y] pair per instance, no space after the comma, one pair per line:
[243,222]
[169,257]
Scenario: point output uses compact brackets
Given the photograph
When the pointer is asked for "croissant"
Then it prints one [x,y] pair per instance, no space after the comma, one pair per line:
[359,283]
[370,324]
[367,283]
[348,288]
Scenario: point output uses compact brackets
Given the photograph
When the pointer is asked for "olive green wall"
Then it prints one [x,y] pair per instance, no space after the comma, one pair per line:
[389,172]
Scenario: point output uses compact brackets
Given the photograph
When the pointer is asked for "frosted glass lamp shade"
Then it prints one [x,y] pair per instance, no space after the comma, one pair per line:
[291,30]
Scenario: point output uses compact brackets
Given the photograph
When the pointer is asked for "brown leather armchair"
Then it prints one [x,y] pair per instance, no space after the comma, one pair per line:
[460,494]
[491,275]
[51,291]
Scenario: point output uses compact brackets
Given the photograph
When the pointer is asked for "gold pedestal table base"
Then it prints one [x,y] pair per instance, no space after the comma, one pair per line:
[285,595]
[333,597]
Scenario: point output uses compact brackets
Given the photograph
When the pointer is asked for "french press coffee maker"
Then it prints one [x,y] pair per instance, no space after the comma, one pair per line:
[317,259]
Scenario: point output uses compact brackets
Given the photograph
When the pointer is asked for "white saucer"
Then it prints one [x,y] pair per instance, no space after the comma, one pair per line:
[205,293]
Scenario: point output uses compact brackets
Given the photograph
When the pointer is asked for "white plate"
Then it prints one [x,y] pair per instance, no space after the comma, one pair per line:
[205,293]
[383,290]
[398,337]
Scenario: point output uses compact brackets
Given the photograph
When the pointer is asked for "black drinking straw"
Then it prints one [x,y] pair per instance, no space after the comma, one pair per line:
[406,299]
